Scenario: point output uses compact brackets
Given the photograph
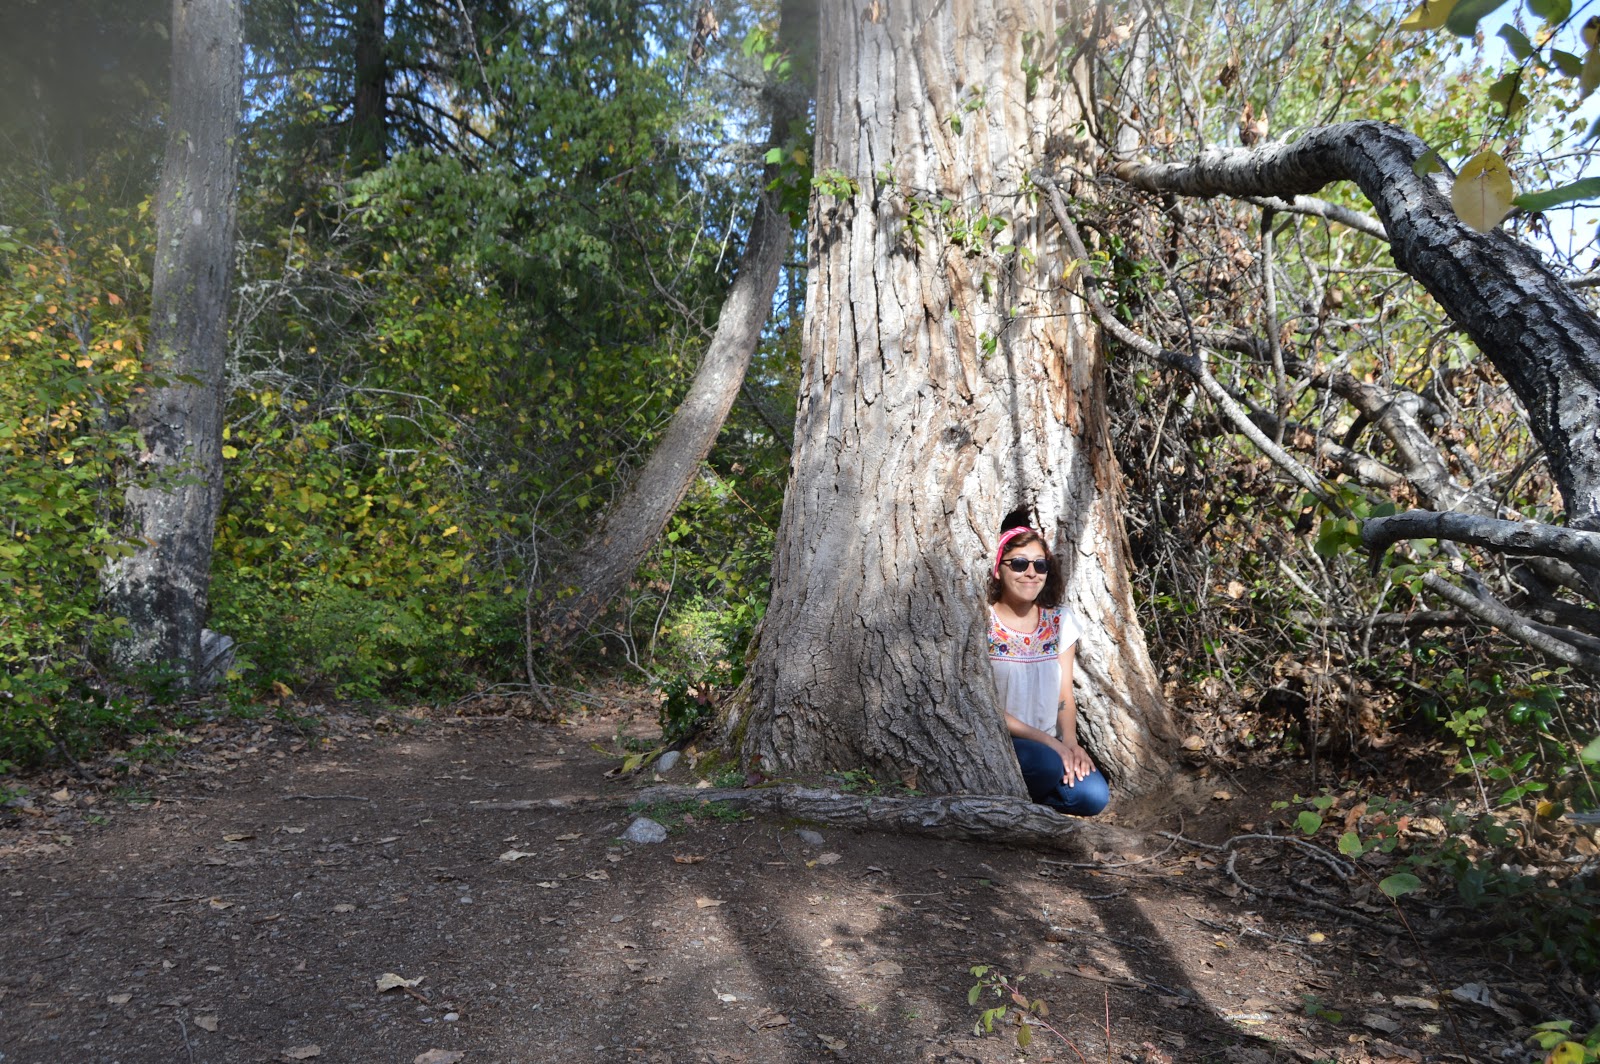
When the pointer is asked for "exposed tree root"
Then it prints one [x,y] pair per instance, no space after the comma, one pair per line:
[978,818]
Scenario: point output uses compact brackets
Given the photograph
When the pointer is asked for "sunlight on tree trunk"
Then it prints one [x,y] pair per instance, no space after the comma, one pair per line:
[948,376]
[175,487]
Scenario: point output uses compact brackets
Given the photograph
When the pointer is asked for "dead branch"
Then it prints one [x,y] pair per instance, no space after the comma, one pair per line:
[1510,537]
[1494,612]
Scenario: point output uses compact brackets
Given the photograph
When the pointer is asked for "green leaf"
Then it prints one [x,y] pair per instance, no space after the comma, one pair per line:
[1507,92]
[1552,11]
[972,995]
[1308,822]
[1465,16]
[1588,188]
[1350,844]
[1428,162]
[1568,63]
[1591,753]
[1519,44]
[1400,883]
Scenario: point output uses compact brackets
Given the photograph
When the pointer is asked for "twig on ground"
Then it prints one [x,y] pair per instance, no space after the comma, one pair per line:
[325,798]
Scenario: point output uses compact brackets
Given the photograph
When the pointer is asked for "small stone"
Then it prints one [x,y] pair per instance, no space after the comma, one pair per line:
[645,830]
[809,837]
[667,761]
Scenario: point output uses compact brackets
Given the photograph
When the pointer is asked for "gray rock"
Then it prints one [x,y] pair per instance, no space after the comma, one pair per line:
[666,761]
[645,830]
[809,837]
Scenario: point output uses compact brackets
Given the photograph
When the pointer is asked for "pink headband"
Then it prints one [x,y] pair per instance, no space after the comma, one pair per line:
[1007,537]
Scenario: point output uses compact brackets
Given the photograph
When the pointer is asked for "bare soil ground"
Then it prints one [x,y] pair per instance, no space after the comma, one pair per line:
[248,899]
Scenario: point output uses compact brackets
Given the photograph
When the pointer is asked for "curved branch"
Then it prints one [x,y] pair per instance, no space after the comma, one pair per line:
[1378,534]
[1538,333]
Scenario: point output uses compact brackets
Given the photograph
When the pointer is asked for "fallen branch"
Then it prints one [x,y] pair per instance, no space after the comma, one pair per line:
[1494,612]
[977,818]
[1510,537]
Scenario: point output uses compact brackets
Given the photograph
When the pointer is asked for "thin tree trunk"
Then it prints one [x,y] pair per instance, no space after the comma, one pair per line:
[608,560]
[369,143]
[946,379]
[175,487]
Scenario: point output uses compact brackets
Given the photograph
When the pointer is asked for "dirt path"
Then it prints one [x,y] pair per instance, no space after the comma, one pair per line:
[248,911]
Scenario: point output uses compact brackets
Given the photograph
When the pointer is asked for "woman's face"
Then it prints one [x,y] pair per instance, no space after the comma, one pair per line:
[1026,585]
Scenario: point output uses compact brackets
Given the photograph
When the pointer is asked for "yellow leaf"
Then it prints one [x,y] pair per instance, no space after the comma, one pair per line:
[1430,15]
[1482,192]
[1565,1053]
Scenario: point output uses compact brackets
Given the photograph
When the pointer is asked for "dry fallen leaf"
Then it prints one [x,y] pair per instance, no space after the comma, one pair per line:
[293,831]
[439,1056]
[344,907]
[885,969]
[514,855]
[391,981]
[1408,1001]
[206,1021]
[570,836]
[303,1052]
[598,875]
[837,1045]
[218,903]
[237,836]
[1316,937]
[688,858]
[706,903]
[119,999]
[1194,742]
[63,795]
[636,966]
[1222,796]
[825,859]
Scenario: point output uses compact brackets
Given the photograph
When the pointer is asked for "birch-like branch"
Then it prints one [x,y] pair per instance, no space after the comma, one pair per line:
[1492,611]
[1321,208]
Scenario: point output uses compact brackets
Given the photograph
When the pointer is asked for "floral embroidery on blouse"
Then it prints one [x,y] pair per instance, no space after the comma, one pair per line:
[1041,644]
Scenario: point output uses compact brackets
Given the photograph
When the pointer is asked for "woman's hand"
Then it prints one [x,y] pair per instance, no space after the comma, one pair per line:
[1076,761]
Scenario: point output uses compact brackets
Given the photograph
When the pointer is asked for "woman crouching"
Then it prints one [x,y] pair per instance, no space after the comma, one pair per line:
[1033,640]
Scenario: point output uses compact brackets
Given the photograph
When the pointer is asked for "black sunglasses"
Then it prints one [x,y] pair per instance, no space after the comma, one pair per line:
[1020,565]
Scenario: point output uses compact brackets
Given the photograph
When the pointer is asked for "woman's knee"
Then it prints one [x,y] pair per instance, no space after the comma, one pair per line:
[1041,766]
[1086,797]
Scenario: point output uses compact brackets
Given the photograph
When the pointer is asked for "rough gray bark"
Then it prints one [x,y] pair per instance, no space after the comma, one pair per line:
[1541,336]
[604,564]
[935,398]
[172,494]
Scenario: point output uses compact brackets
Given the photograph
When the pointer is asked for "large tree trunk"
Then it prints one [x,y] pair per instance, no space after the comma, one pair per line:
[173,493]
[945,381]
[604,564]
[1539,334]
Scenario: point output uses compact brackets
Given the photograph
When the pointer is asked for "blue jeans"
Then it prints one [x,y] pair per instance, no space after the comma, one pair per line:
[1042,771]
